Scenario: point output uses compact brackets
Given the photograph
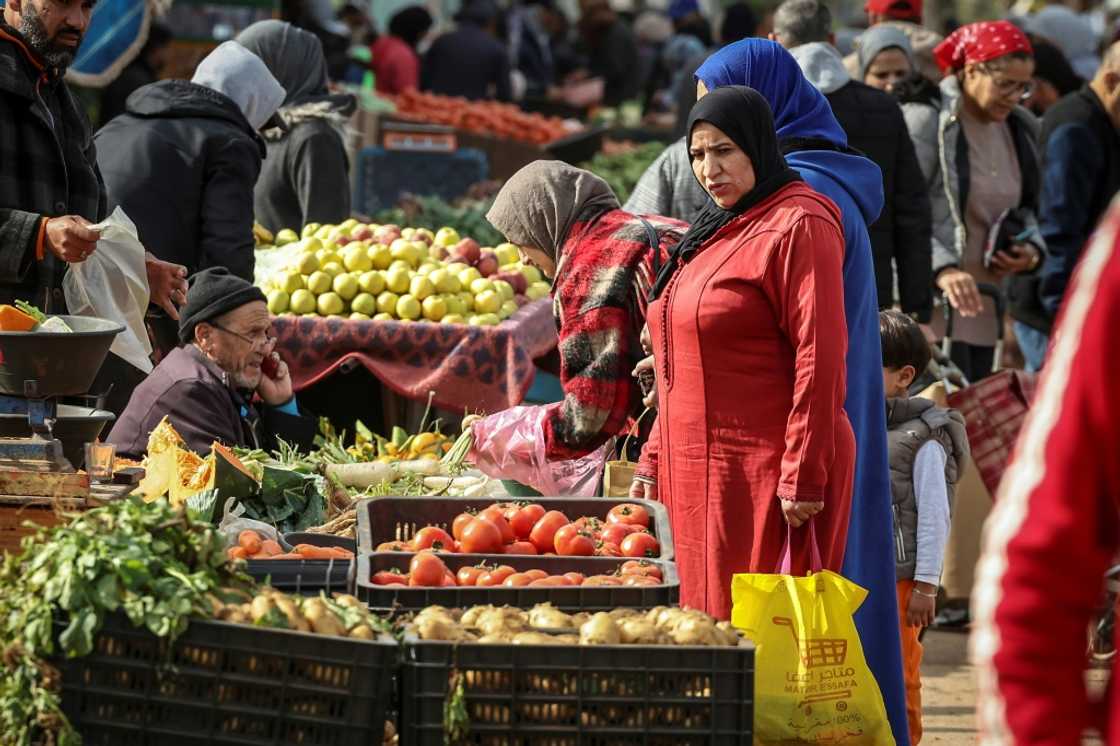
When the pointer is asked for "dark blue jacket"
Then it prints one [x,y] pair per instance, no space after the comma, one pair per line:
[467,62]
[1081,174]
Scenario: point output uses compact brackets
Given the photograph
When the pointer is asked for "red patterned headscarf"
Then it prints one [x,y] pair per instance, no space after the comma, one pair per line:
[980,42]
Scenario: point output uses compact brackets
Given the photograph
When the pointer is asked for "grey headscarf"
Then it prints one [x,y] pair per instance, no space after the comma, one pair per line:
[539,204]
[234,72]
[881,37]
[296,59]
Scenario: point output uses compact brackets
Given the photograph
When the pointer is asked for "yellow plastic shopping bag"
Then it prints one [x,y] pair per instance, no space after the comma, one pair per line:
[812,683]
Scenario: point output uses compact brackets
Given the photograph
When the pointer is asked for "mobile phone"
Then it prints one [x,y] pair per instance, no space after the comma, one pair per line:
[271,365]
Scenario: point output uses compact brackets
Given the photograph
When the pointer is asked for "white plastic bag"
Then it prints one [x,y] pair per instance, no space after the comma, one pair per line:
[113,284]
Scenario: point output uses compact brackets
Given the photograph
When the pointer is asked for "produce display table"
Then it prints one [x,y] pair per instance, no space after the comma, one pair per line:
[17,512]
[467,367]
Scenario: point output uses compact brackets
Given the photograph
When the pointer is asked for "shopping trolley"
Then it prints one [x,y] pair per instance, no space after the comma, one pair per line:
[828,651]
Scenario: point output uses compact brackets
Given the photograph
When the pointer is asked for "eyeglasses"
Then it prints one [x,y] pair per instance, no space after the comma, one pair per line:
[1021,90]
[257,340]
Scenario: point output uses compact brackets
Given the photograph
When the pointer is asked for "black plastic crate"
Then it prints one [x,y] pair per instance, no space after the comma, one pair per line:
[581,695]
[224,683]
[568,598]
[308,577]
[382,519]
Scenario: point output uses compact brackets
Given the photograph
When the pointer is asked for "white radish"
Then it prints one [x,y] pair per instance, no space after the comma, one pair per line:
[423,467]
[368,474]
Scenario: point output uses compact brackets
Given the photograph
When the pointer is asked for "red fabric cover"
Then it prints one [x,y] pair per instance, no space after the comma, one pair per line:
[480,368]
[994,410]
[750,339]
[1055,529]
[980,42]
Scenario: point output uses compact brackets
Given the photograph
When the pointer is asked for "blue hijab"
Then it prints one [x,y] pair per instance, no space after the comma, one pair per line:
[805,122]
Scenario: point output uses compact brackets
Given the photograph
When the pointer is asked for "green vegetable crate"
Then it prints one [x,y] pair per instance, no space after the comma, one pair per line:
[228,684]
[588,695]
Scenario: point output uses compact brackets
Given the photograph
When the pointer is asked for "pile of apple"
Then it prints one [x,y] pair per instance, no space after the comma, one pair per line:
[385,272]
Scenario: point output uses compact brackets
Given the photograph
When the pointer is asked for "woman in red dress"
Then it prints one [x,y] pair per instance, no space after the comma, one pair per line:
[749,336]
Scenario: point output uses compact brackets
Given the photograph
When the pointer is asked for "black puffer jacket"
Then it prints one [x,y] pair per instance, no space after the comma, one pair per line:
[182,163]
[875,126]
[47,169]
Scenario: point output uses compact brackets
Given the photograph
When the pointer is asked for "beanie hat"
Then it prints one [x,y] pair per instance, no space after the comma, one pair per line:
[903,10]
[212,293]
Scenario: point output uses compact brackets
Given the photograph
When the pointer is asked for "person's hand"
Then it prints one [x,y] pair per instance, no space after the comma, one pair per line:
[645,368]
[960,288]
[276,390]
[796,513]
[922,608]
[643,490]
[71,238]
[168,284]
[1019,257]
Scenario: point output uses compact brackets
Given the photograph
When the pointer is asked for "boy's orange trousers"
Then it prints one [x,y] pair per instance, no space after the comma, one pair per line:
[911,662]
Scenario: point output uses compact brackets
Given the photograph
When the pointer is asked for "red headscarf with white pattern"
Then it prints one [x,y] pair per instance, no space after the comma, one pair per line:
[980,42]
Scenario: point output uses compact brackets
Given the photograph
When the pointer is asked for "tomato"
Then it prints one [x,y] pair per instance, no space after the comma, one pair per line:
[481,537]
[629,513]
[449,580]
[390,577]
[581,545]
[469,575]
[517,580]
[432,538]
[576,578]
[641,567]
[536,574]
[563,535]
[607,549]
[460,523]
[549,582]
[640,545]
[495,576]
[614,533]
[598,580]
[509,510]
[426,570]
[494,515]
[393,546]
[521,547]
[524,519]
[544,530]
[639,580]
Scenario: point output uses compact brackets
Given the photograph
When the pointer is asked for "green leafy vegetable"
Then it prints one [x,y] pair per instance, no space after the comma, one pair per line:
[31,310]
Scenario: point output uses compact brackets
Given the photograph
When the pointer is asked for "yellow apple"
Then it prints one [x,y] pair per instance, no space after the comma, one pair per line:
[421,287]
[372,282]
[481,285]
[346,285]
[278,302]
[302,302]
[487,302]
[364,304]
[398,280]
[408,308]
[319,282]
[387,302]
[356,259]
[380,256]
[330,304]
[434,308]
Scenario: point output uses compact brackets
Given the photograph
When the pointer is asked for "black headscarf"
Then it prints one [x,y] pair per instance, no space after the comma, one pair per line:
[743,115]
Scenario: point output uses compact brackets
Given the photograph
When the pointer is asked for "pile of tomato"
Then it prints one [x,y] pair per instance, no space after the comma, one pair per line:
[517,528]
[427,570]
[484,117]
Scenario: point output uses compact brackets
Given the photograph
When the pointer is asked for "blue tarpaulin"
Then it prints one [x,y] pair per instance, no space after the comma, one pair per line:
[116,34]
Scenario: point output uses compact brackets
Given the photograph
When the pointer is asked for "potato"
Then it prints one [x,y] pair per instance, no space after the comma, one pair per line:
[433,627]
[500,620]
[345,599]
[362,632]
[390,734]
[638,631]
[498,639]
[322,620]
[236,616]
[533,638]
[296,620]
[545,616]
[730,634]
[620,614]
[695,631]
[471,615]
[599,630]
[261,606]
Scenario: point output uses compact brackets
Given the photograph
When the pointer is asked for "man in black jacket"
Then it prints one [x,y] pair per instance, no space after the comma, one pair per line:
[183,160]
[873,121]
[207,386]
[140,72]
[1080,176]
[469,61]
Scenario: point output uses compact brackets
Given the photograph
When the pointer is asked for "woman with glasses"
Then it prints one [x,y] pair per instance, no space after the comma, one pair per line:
[987,165]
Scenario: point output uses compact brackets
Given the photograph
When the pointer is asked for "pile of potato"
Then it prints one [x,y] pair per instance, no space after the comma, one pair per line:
[545,625]
[342,615]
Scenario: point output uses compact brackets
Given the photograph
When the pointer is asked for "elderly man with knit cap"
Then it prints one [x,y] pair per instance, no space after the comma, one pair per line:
[209,388]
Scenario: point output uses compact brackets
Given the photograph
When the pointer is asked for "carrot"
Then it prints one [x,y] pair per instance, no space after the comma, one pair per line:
[14,320]
[271,547]
[237,553]
[250,540]
[288,556]
[309,551]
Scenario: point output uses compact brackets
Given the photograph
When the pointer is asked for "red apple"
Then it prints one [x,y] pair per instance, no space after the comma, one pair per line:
[520,300]
[343,240]
[515,279]
[386,234]
[438,251]
[487,264]
[361,233]
[468,251]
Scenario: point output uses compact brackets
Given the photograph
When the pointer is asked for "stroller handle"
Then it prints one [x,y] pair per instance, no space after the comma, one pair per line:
[987,290]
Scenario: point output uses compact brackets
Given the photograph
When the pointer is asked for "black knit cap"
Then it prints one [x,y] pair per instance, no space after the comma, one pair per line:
[213,292]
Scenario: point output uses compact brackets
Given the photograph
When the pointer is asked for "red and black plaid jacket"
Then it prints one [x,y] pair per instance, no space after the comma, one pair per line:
[602,280]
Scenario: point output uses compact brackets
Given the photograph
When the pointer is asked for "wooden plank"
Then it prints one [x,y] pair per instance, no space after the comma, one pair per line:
[45,484]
